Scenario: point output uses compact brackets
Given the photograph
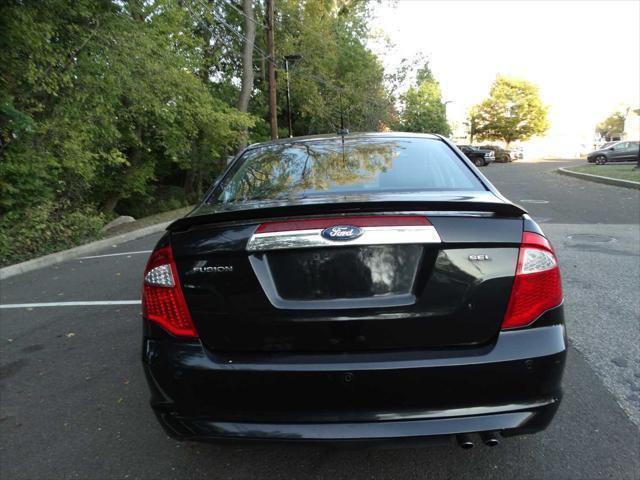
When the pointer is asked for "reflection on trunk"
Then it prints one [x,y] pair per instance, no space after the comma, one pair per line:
[350,272]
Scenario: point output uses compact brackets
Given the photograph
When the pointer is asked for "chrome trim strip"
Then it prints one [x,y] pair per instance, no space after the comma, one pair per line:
[261,242]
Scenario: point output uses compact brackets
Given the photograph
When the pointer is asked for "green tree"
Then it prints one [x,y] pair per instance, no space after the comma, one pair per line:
[612,126]
[422,106]
[102,99]
[337,72]
[513,111]
[131,106]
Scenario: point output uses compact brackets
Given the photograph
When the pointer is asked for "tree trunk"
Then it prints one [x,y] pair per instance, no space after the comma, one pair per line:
[110,203]
[133,152]
[247,56]
[247,61]
[273,103]
[134,156]
[193,176]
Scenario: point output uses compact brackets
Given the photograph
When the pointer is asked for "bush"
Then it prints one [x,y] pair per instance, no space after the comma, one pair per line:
[164,198]
[44,229]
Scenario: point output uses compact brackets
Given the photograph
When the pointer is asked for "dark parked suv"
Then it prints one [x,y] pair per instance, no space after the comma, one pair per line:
[623,151]
[370,287]
[479,156]
[501,155]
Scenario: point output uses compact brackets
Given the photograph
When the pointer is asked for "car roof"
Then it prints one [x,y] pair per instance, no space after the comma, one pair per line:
[350,136]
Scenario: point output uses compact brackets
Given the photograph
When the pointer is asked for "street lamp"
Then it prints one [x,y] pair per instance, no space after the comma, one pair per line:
[289,58]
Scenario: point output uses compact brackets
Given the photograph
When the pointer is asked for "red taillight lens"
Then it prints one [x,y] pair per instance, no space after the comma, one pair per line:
[537,286]
[162,298]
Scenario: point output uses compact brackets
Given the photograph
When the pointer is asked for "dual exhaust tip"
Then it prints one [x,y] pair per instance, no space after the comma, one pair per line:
[490,439]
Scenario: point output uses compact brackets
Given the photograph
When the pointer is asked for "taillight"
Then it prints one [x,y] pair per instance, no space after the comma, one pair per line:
[537,286]
[162,298]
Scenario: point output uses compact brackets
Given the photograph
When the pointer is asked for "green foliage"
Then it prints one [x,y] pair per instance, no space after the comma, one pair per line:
[44,229]
[129,106]
[423,110]
[337,72]
[612,126]
[513,111]
[163,198]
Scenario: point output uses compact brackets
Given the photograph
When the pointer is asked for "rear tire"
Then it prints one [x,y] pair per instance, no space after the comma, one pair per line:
[601,160]
[479,162]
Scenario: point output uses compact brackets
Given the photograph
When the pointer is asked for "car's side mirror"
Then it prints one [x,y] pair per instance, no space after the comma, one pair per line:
[611,148]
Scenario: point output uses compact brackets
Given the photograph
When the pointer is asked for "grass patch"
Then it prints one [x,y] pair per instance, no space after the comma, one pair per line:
[621,172]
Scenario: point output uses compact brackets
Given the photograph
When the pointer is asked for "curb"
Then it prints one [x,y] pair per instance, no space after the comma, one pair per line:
[65,255]
[600,179]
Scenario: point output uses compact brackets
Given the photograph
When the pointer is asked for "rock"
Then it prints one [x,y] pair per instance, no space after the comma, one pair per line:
[121,220]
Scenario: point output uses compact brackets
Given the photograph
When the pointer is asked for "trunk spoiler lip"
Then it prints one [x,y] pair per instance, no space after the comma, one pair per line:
[326,205]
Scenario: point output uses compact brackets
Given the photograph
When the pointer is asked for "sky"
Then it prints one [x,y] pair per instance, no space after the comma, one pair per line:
[583,55]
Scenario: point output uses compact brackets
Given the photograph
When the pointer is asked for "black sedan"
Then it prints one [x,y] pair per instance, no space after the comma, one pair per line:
[350,288]
[479,156]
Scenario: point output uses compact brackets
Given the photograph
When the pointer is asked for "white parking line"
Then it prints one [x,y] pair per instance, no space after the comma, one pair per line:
[70,304]
[116,254]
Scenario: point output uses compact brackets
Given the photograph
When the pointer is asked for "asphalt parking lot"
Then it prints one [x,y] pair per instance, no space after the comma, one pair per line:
[73,400]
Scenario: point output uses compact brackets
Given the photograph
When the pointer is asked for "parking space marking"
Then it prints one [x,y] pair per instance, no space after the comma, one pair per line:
[534,201]
[115,254]
[70,304]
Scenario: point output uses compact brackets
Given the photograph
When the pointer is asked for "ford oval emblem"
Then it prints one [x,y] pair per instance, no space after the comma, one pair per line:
[342,233]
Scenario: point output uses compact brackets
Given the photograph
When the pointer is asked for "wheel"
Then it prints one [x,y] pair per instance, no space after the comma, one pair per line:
[479,162]
[601,160]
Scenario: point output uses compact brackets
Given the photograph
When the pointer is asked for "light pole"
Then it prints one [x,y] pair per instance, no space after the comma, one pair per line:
[289,58]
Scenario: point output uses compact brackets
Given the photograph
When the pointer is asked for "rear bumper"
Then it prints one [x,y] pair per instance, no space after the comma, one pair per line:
[533,418]
[511,386]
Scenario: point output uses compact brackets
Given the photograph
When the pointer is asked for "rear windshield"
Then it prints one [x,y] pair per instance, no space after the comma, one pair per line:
[345,167]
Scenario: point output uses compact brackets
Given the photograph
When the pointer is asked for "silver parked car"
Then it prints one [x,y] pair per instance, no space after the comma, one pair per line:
[622,151]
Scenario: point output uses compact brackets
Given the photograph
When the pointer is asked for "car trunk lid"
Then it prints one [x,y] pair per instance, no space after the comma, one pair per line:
[410,279]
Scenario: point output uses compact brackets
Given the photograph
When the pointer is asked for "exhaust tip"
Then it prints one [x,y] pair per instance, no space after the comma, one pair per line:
[490,439]
[464,441]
